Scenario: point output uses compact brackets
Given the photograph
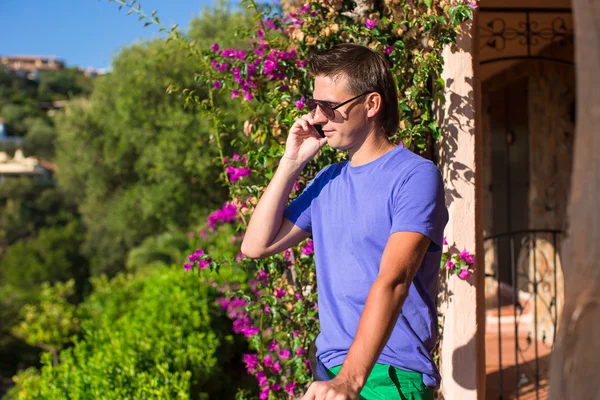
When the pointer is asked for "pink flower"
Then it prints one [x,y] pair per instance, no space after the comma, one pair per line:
[276,366]
[202,264]
[290,387]
[262,276]
[187,267]
[275,387]
[217,84]
[260,33]
[287,255]
[236,173]
[223,302]
[215,47]
[279,293]
[309,248]
[300,351]
[388,50]
[445,241]
[249,331]
[473,4]
[305,8]
[296,186]
[270,24]
[261,376]
[300,104]
[235,157]
[370,23]
[273,346]
[234,94]
[464,274]
[267,310]
[449,265]
[268,361]
[467,257]
[285,354]
[251,361]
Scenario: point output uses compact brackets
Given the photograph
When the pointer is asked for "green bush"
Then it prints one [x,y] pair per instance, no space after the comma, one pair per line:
[152,335]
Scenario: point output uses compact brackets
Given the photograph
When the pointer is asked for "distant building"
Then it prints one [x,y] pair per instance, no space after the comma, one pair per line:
[31,63]
[20,165]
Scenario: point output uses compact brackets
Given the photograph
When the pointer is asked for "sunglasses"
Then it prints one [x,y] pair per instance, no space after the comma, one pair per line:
[328,108]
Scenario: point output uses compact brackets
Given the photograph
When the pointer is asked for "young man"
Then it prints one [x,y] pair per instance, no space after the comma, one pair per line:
[377,222]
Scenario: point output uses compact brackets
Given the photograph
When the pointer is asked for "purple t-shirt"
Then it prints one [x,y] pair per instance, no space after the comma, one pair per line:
[351,212]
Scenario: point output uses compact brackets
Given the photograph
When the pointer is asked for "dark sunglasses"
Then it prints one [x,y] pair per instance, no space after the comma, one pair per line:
[326,107]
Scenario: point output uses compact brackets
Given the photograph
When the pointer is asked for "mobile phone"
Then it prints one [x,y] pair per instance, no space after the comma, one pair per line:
[319,130]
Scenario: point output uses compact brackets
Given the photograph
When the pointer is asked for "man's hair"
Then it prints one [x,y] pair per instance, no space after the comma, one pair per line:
[366,71]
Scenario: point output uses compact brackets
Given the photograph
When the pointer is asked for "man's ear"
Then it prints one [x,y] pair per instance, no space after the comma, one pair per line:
[374,103]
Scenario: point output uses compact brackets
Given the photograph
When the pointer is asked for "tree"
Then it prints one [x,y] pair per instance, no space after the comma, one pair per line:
[50,323]
[63,84]
[149,335]
[39,140]
[53,255]
[134,159]
[27,205]
[575,356]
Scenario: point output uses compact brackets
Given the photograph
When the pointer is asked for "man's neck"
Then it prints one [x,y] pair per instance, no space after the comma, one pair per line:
[374,146]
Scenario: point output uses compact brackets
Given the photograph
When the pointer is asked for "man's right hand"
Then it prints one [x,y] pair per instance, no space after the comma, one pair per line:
[303,141]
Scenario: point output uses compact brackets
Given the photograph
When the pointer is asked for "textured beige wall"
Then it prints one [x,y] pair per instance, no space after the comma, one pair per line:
[463,346]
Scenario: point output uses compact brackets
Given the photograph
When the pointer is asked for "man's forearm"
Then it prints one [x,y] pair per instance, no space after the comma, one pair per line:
[268,214]
[377,321]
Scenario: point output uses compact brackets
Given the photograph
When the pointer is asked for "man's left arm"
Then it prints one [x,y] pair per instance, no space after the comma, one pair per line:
[401,259]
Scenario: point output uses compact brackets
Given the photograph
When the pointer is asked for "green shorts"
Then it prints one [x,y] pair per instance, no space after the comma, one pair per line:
[388,383]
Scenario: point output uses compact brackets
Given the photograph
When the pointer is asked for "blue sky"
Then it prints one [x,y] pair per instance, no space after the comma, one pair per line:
[85,33]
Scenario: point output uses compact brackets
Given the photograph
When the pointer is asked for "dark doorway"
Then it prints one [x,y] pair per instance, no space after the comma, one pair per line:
[510,167]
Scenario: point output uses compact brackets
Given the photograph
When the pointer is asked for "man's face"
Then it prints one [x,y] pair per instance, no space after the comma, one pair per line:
[349,126]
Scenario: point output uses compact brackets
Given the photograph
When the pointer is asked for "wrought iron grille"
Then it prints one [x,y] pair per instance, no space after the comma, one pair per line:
[522,33]
[531,274]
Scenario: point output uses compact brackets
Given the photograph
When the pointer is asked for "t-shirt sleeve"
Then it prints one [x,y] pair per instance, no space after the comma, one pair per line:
[299,210]
[418,204]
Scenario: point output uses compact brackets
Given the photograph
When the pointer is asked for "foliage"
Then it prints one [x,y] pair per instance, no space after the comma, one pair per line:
[27,205]
[53,255]
[164,249]
[50,323]
[23,102]
[278,313]
[154,334]
[134,160]
[42,225]
[63,84]
[39,140]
